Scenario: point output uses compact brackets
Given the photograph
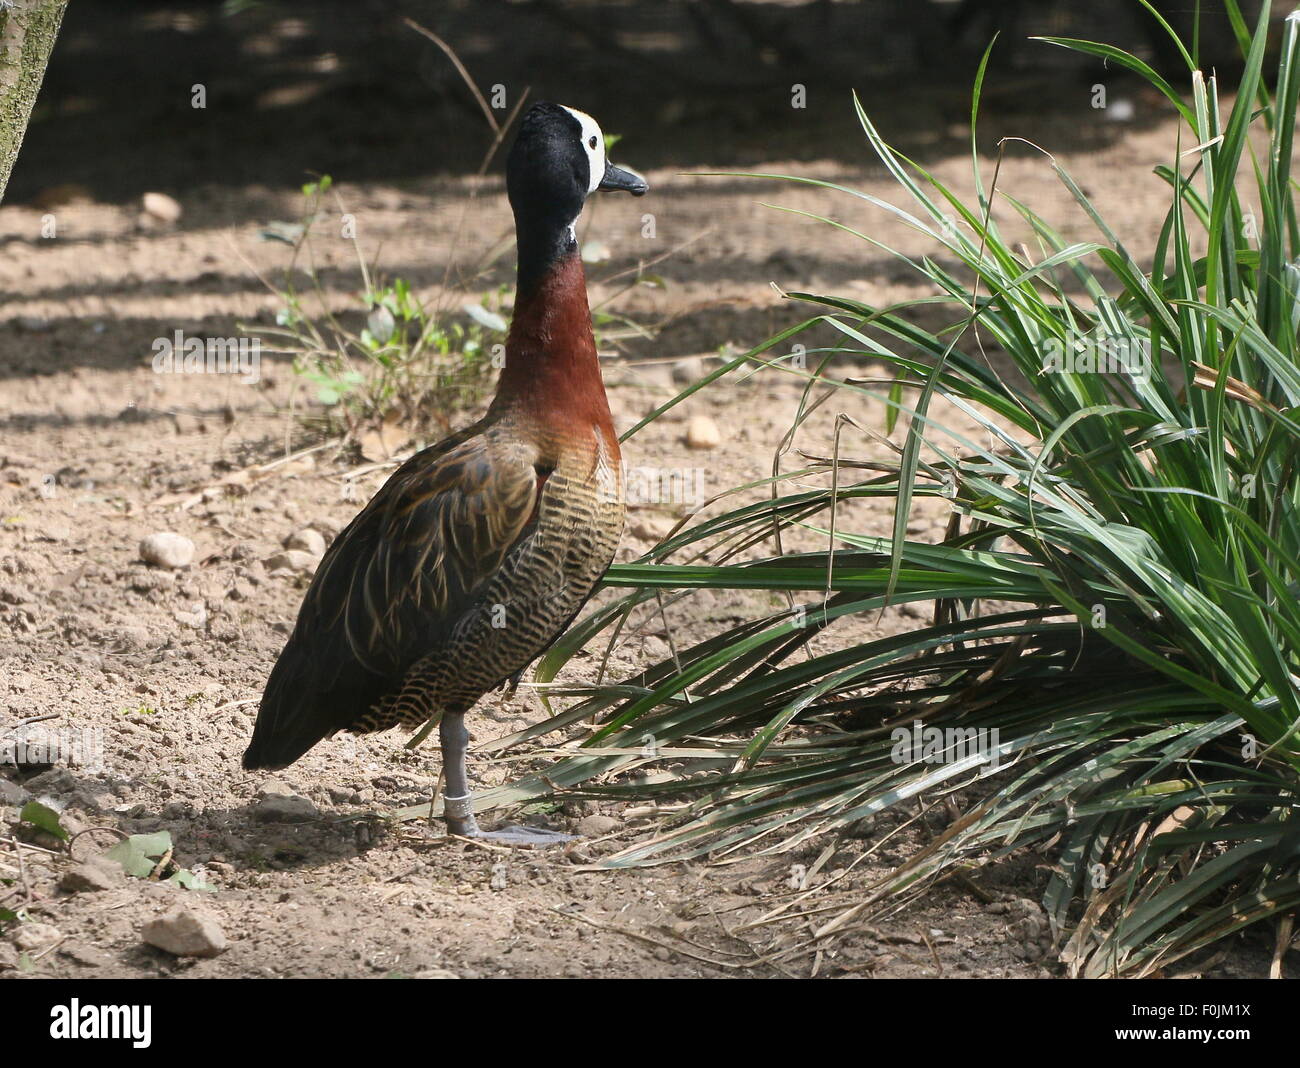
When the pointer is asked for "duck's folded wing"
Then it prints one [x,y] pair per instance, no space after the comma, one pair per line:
[391,587]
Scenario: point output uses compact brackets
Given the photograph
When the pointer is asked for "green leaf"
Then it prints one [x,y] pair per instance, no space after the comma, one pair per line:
[190,881]
[381,324]
[287,233]
[44,818]
[140,853]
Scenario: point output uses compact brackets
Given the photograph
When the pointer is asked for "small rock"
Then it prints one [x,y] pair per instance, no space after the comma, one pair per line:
[306,540]
[12,794]
[291,561]
[30,937]
[689,370]
[275,788]
[282,808]
[654,375]
[91,797]
[13,594]
[1121,110]
[133,636]
[166,549]
[652,527]
[196,615]
[703,433]
[253,573]
[97,873]
[595,826]
[435,973]
[241,590]
[328,527]
[162,207]
[186,933]
[55,782]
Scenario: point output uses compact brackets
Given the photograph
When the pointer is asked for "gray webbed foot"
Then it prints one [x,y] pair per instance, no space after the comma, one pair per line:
[513,834]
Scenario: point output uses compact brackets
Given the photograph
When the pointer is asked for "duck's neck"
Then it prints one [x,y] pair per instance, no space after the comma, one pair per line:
[544,241]
[551,368]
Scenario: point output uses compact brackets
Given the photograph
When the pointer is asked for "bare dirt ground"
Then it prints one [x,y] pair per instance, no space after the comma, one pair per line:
[97,451]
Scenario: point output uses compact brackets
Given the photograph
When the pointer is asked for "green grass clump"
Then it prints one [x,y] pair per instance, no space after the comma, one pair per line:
[1116,595]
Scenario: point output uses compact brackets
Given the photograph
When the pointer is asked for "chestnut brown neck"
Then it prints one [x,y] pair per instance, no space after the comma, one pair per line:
[551,368]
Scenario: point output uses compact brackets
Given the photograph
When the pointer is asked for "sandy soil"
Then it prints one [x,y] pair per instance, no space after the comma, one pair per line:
[97,451]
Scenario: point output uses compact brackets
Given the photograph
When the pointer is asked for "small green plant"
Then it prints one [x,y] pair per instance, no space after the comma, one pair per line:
[390,358]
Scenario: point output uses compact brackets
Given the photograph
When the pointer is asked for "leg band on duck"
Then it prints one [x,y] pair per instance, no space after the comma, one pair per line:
[458,808]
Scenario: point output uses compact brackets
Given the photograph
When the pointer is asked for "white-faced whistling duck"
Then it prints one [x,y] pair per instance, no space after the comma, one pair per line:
[479,551]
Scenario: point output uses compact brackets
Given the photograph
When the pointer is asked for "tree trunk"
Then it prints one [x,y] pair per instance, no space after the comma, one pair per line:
[27,32]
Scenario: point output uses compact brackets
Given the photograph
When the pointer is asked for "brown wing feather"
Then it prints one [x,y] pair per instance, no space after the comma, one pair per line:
[393,585]
[431,535]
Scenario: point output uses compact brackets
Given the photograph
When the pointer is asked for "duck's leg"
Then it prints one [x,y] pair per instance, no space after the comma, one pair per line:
[458,802]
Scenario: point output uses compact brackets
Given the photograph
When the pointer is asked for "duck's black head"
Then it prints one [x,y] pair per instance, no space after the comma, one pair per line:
[557,161]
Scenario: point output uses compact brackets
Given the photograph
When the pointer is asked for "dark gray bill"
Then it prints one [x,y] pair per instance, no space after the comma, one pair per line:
[617,178]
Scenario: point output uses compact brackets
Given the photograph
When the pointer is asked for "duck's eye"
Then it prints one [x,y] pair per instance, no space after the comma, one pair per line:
[592,141]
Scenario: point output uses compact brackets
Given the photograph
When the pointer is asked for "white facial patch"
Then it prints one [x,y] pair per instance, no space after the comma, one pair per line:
[593,143]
